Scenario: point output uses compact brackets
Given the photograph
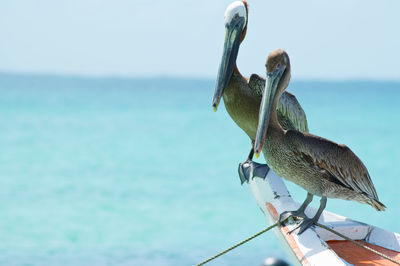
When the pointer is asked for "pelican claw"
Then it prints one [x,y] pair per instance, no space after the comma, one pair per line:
[306,222]
[303,225]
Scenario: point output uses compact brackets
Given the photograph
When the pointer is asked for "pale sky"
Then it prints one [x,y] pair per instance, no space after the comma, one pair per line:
[341,39]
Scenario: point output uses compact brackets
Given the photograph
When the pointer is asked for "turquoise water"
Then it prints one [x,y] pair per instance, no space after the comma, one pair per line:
[142,172]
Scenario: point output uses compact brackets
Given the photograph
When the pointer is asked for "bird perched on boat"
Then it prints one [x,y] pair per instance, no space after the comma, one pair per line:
[320,166]
[242,96]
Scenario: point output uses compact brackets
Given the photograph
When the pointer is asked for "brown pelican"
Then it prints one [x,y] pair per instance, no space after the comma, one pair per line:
[242,96]
[320,166]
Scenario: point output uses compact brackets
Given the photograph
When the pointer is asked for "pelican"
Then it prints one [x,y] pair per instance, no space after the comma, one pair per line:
[242,96]
[320,166]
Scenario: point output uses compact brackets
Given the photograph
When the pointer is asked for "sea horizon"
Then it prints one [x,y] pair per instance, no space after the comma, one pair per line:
[10,74]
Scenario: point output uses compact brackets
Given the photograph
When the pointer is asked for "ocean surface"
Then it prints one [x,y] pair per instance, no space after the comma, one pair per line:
[142,172]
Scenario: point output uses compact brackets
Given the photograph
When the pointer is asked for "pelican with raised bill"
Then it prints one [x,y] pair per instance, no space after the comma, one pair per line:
[320,166]
[242,96]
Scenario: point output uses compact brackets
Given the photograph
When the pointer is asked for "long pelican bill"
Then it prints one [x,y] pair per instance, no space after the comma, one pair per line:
[233,34]
[273,79]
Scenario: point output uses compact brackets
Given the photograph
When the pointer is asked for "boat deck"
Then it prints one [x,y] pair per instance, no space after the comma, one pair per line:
[358,256]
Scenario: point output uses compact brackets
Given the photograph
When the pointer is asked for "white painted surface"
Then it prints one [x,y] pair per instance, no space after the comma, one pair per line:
[384,238]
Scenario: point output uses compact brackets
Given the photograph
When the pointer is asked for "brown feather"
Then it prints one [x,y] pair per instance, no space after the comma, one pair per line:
[336,159]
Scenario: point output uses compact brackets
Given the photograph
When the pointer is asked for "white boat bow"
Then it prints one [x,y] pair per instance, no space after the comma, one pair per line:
[317,246]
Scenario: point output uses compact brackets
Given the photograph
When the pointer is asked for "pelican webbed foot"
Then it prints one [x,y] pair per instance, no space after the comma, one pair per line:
[308,222]
[249,169]
[303,225]
[297,213]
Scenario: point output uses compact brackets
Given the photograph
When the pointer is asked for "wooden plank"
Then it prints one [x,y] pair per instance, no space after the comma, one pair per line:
[358,256]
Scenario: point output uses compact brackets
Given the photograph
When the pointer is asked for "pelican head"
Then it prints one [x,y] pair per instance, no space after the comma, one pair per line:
[278,77]
[235,31]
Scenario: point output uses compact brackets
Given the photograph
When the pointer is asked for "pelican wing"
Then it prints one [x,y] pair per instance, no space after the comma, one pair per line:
[290,113]
[291,109]
[257,84]
[338,160]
